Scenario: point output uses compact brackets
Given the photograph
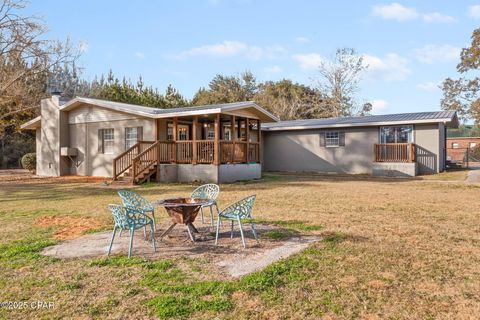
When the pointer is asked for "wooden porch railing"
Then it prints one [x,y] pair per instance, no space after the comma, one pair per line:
[143,156]
[394,152]
[124,160]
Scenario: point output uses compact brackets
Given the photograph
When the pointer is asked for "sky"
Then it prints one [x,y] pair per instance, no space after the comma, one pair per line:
[410,47]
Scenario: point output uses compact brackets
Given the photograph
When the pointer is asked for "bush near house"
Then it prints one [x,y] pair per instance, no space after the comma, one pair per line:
[29,162]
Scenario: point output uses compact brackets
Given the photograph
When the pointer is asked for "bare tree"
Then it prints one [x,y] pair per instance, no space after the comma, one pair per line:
[26,60]
[339,80]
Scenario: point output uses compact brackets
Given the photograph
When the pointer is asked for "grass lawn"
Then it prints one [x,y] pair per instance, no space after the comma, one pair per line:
[398,249]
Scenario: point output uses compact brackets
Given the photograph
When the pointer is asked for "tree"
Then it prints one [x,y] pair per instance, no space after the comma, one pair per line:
[289,101]
[462,94]
[339,81]
[27,61]
[225,89]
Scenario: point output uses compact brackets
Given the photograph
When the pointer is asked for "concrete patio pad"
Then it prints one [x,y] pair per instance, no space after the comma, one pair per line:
[229,256]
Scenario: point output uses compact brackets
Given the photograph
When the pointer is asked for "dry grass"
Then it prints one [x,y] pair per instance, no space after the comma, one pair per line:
[395,249]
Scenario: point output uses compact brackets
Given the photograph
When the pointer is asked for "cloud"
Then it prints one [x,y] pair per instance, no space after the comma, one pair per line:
[474,11]
[390,68]
[308,61]
[431,53]
[379,106]
[428,86]
[139,55]
[394,11]
[232,48]
[302,39]
[273,69]
[438,17]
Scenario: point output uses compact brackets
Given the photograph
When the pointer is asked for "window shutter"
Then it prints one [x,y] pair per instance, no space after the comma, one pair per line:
[341,138]
[322,139]
[139,134]
[100,140]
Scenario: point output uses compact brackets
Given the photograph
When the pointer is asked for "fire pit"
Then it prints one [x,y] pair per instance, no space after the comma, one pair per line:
[182,211]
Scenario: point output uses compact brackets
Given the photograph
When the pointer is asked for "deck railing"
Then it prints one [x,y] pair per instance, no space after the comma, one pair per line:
[394,152]
[124,161]
[143,155]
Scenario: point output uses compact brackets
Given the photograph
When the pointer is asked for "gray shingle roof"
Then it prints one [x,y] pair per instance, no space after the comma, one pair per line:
[400,118]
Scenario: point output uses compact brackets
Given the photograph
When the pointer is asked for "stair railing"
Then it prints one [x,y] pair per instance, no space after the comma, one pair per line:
[145,160]
[123,161]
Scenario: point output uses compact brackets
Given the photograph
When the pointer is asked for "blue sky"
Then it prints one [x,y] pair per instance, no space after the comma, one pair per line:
[410,46]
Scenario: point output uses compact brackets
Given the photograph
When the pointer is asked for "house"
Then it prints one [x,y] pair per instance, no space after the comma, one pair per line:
[91,137]
[228,142]
[460,142]
[393,145]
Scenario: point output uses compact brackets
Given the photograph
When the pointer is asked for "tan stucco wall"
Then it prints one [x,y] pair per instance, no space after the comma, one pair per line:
[428,149]
[300,151]
[84,137]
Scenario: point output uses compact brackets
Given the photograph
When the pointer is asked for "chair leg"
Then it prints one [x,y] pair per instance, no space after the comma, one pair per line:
[231,230]
[253,230]
[241,232]
[132,233]
[211,215]
[153,237]
[218,229]
[201,213]
[111,241]
[154,222]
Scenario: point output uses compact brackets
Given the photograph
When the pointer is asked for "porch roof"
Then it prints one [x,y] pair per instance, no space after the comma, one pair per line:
[448,117]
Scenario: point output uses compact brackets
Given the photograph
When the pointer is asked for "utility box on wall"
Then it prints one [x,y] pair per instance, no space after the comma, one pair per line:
[68,152]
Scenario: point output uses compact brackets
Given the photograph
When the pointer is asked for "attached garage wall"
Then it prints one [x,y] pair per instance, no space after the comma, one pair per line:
[300,150]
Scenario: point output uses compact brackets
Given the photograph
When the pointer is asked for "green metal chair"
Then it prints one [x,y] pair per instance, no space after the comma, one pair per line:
[128,218]
[241,210]
[134,200]
[207,191]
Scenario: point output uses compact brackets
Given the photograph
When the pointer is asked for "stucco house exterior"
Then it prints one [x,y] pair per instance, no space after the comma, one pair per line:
[228,142]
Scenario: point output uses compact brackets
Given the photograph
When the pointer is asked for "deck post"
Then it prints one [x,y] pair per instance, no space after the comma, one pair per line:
[247,134]
[175,133]
[194,139]
[216,156]
[259,140]
[234,138]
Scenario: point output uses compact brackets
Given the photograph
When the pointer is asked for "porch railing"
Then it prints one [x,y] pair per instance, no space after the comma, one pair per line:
[143,156]
[394,152]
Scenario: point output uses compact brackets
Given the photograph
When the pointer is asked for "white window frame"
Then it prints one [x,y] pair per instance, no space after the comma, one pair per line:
[472,145]
[332,139]
[131,138]
[412,137]
[108,140]
[455,145]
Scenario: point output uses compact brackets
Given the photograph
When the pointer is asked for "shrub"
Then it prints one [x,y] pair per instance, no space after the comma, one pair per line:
[29,162]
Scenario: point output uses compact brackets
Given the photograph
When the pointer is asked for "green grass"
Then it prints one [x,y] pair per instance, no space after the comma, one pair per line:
[295,225]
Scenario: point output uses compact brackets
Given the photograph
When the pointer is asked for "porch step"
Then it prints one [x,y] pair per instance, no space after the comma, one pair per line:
[145,176]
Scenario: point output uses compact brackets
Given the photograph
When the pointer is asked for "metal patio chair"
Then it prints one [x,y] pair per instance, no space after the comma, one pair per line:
[134,200]
[207,191]
[131,219]
[241,210]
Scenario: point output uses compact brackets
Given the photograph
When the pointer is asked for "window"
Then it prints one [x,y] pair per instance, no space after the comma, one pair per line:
[106,141]
[132,136]
[332,139]
[396,134]
[227,134]
[454,145]
[183,132]
[472,145]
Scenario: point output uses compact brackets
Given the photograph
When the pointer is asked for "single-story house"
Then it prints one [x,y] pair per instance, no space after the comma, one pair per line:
[228,142]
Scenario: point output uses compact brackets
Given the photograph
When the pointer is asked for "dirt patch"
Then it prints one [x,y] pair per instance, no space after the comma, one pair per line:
[69,227]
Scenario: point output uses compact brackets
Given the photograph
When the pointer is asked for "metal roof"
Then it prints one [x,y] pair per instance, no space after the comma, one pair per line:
[449,117]
[153,112]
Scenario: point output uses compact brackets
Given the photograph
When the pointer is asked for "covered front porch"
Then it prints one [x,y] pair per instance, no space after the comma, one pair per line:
[205,139]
